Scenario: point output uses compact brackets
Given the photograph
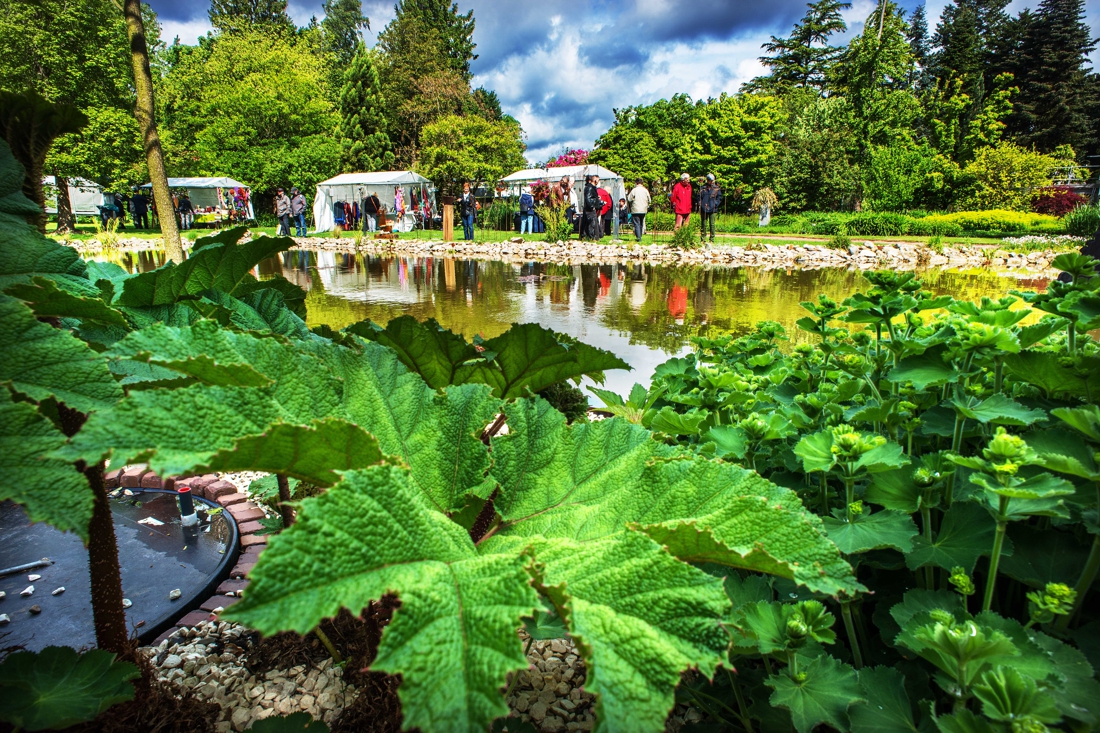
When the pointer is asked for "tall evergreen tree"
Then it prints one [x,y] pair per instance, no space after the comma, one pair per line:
[1054,103]
[917,34]
[804,58]
[343,19]
[454,28]
[235,15]
[362,129]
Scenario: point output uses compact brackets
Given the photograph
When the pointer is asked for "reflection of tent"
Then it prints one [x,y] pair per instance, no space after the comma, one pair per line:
[205,192]
[84,196]
[609,180]
[351,187]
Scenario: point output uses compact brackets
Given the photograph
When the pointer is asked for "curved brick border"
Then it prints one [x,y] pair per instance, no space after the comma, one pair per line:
[245,513]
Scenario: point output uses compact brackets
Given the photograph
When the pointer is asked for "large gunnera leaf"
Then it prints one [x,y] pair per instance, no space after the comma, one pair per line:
[454,637]
[58,687]
[427,348]
[50,490]
[42,361]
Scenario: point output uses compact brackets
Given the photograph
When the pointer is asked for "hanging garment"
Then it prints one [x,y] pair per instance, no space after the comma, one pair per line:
[399,201]
[338,213]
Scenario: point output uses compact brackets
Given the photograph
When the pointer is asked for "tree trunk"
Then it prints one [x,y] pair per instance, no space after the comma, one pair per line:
[106,576]
[145,112]
[66,222]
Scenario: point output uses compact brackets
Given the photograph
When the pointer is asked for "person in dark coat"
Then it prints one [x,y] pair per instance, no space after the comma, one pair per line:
[139,206]
[370,206]
[593,205]
[468,209]
[298,212]
[710,199]
[282,212]
[120,210]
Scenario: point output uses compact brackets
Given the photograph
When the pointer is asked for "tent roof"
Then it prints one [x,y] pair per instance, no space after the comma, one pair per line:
[74,182]
[376,178]
[577,172]
[200,182]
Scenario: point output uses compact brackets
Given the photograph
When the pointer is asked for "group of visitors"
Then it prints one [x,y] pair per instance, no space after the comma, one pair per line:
[290,208]
[709,201]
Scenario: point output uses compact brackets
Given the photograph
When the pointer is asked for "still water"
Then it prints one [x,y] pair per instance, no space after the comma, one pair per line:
[643,313]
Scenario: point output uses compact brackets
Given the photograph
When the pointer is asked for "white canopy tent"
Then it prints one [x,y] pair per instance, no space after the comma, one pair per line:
[352,187]
[609,180]
[85,197]
[208,192]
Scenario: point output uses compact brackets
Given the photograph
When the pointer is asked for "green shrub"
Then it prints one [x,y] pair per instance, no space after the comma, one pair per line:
[686,237]
[925,228]
[840,239]
[1083,221]
[878,224]
[998,221]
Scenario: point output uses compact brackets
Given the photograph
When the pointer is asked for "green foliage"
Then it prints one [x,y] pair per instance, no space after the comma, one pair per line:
[58,687]
[1084,221]
[363,122]
[296,723]
[996,221]
[734,137]
[458,149]
[1006,176]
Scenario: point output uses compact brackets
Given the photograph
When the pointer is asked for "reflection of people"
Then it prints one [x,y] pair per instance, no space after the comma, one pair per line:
[139,206]
[187,212]
[681,200]
[468,209]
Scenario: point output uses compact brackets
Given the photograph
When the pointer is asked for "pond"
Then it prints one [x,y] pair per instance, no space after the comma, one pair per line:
[643,313]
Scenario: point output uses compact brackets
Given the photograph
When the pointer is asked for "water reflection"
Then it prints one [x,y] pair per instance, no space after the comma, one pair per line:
[643,313]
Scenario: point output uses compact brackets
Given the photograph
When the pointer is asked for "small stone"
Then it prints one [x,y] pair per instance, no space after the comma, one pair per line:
[126,603]
[59,591]
[552,724]
[547,696]
[522,703]
[307,701]
[538,711]
[568,704]
[35,609]
[241,718]
[27,592]
[558,646]
[172,661]
[562,689]
[4,620]
[32,577]
[3,595]
[174,595]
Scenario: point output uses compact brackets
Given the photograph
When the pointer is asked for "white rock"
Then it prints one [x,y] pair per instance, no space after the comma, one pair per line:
[174,595]
[59,591]
[241,718]
[4,619]
[32,577]
[126,603]
[27,592]
[172,661]
[3,595]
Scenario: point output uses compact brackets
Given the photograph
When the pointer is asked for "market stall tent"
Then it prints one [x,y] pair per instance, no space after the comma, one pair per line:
[84,196]
[609,180]
[351,187]
[210,192]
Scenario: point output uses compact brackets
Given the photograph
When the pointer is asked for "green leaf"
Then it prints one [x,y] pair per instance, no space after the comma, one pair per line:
[294,296]
[1084,419]
[762,627]
[887,708]
[1063,451]
[205,352]
[427,348]
[966,533]
[1007,696]
[42,361]
[47,300]
[815,451]
[458,609]
[895,489]
[58,687]
[222,265]
[822,697]
[670,422]
[50,490]
[963,721]
[925,370]
[1043,556]
[1084,307]
[1031,660]
[313,453]
[919,601]
[729,441]
[1079,696]
[1046,371]
[876,531]
[296,723]
[1040,486]
[999,410]
[546,624]
[882,458]
[640,617]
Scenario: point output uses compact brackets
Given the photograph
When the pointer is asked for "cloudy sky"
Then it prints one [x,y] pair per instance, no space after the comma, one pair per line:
[561,68]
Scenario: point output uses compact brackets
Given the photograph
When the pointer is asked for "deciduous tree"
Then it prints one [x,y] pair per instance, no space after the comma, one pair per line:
[457,149]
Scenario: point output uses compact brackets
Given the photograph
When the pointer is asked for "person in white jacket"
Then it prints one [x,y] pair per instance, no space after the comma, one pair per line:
[639,200]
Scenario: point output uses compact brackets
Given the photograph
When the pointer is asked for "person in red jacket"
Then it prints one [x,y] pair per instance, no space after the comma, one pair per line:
[681,200]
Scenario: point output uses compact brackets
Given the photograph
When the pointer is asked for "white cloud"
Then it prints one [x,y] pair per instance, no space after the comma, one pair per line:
[188,31]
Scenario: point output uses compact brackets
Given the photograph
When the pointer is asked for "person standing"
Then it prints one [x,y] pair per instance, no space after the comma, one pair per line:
[298,211]
[605,197]
[710,199]
[593,204]
[187,212]
[639,207]
[282,212]
[139,207]
[370,206]
[681,201]
[468,209]
[526,212]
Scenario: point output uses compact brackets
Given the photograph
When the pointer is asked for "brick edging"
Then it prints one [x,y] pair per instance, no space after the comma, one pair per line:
[246,515]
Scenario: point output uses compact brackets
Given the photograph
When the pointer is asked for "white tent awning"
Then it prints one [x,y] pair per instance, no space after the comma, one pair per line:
[202,182]
[576,172]
[85,197]
[351,187]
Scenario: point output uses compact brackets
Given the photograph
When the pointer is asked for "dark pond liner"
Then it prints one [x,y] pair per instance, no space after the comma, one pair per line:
[155,560]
